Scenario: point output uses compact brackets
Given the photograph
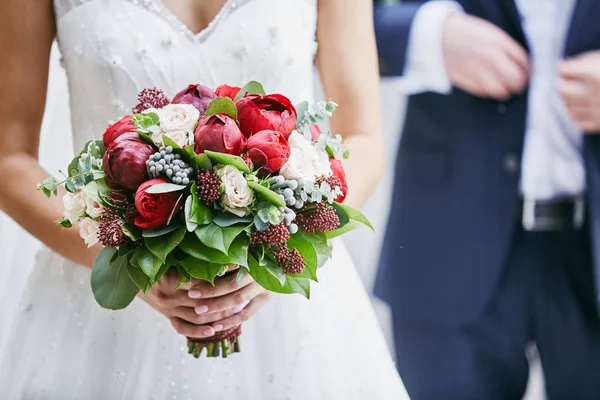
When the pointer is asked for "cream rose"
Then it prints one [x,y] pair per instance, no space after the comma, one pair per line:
[179,117]
[298,166]
[322,165]
[74,206]
[93,208]
[237,195]
[179,137]
[88,230]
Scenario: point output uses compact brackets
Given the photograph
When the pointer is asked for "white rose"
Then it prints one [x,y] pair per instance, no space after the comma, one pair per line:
[179,137]
[93,208]
[178,117]
[298,166]
[238,195]
[298,141]
[88,230]
[322,165]
[74,206]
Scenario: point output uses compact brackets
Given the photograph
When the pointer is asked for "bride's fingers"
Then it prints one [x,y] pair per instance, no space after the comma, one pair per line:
[248,312]
[222,287]
[232,300]
[189,314]
[191,330]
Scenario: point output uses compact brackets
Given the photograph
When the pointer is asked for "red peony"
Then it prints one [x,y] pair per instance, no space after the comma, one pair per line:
[197,95]
[268,150]
[315,131]
[219,133]
[228,91]
[154,209]
[271,112]
[125,162]
[338,170]
[120,127]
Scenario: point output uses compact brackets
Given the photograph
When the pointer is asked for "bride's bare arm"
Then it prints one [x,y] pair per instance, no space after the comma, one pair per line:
[347,63]
[26,34]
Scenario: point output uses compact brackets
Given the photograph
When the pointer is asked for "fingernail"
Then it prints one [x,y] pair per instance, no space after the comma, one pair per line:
[238,309]
[218,328]
[208,332]
[194,294]
[201,309]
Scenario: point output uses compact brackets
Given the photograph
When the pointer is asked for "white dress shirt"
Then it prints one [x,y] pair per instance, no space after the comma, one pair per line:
[552,164]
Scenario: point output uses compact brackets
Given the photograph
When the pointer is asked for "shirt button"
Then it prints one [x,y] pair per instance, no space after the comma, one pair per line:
[511,163]
[501,108]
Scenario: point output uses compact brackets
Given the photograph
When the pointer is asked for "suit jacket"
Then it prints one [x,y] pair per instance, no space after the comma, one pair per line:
[455,197]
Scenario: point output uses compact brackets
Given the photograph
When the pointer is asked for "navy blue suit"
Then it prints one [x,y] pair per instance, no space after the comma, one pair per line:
[454,255]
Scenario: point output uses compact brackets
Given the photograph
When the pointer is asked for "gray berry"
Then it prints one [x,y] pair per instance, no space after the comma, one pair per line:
[169,173]
[185,181]
[153,169]
[293,228]
[159,167]
[163,153]
[292,185]
[169,149]
[176,168]
[162,161]
[290,201]
[299,204]
[287,219]
[287,193]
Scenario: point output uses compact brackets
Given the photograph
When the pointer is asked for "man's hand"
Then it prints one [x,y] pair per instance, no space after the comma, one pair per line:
[579,87]
[482,59]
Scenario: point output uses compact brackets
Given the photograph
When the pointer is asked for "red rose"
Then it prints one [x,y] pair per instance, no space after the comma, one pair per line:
[315,131]
[338,170]
[228,91]
[272,112]
[120,127]
[219,133]
[154,209]
[125,162]
[268,150]
[197,95]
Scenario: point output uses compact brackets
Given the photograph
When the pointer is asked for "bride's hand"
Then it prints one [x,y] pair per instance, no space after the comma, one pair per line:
[235,302]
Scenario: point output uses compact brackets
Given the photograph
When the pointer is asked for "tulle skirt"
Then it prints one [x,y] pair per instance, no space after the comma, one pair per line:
[62,345]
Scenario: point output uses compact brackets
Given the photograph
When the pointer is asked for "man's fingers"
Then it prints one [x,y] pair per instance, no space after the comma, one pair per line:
[244,315]
[516,53]
[580,68]
[511,75]
[573,92]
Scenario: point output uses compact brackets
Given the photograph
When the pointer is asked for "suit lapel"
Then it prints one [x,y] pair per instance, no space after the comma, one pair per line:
[513,17]
[576,33]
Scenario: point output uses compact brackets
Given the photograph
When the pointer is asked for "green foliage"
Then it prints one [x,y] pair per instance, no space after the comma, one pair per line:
[301,110]
[167,141]
[146,123]
[49,186]
[270,282]
[238,251]
[251,87]
[228,159]
[64,222]
[217,237]
[222,105]
[350,219]
[322,247]
[165,188]
[200,213]
[173,226]
[149,263]
[309,254]
[266,194]
[201,269]
[203,161]
[133,232]
[162,246]
[227,219]
[112,286]
[267,214]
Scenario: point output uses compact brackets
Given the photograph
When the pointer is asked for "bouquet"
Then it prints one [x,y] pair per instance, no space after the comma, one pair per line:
[204,181]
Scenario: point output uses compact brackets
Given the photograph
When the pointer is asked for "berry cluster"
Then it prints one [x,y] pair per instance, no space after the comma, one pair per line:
[150,98]
[319,217]
[301,192]
[209,185]
[110,232]
[290,260]
[289,216]
[166,164]
[273,236]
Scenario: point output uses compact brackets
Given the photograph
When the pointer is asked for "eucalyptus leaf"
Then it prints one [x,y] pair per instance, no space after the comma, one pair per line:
[217,237]
[173,226]
[201,269]
[111,284]
[301,109]
[251,87]
[267,194]
[187,212]
[148,262]
[228,219]
[228,159]
[162,246]
[165,188]
[238,251]
[222,105]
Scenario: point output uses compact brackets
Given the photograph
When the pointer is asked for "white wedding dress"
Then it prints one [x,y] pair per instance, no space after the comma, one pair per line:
[62,345]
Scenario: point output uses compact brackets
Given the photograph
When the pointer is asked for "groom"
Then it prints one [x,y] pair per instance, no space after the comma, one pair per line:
[494,233]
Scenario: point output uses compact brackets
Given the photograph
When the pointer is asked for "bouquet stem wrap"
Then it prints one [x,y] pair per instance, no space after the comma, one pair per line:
[220,345]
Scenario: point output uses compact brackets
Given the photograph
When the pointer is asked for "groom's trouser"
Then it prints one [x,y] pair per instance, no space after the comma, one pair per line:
[546,296]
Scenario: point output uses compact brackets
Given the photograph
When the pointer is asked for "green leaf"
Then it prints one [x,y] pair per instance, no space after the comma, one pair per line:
[64,222]
[354,215]
[148,262]
[201,269]
[267,194]
[187,212]
[322,247]
[165,188]
[342,214]
[309,254]
[217,237]
[131,231]
[203,161]
[167,141]
[162,246]
[238,251]
[185,277]
[139,278]
[148,233]
[350,226]
[301,109]
[127,249]
[222,105]
[111,284]
[251,87]
[271,283]
[228,219]
[228,159]
[200,213]
[275,270]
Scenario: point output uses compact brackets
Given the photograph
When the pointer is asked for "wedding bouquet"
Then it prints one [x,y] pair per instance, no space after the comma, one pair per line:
[208,180]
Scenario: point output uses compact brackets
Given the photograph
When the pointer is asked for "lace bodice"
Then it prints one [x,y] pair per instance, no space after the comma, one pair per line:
[114,48]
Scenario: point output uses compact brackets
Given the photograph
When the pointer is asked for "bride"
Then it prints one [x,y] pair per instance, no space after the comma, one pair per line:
[64,346]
